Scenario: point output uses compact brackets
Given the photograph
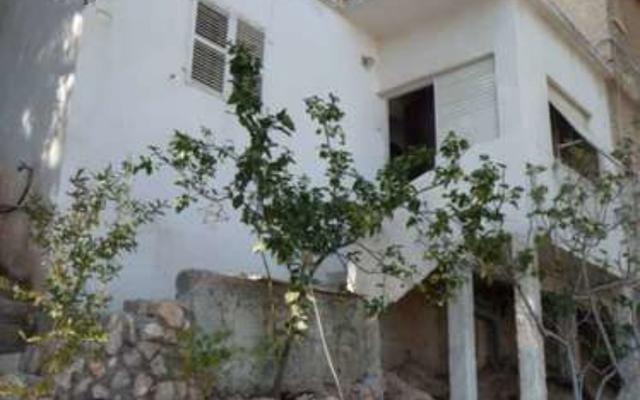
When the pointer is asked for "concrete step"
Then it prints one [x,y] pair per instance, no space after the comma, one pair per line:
[10,363]
[15,317]
[12,311]
[10,339]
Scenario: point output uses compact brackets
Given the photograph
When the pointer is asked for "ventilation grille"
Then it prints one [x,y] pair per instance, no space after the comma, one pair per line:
[251,38]
[212,25]
[208,66]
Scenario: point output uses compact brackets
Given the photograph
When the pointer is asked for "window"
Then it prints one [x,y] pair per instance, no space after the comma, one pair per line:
[568,123]
[412,125]
[253,40]
[212,26]
[570,147]
[467,101]
[209,47]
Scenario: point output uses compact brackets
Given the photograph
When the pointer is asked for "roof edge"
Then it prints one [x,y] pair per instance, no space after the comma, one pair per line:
[559,20]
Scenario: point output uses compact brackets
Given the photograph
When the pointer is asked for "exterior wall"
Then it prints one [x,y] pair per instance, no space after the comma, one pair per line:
[436,46]
[626,64]
[38,51]
[613,28]
[133,87]
[590,17]
[549,58]
[627,14]
[133,91]
[529,54]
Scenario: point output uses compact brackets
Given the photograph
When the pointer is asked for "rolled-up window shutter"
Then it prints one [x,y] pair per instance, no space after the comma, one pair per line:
[466,102]
[209,59]
[576,115]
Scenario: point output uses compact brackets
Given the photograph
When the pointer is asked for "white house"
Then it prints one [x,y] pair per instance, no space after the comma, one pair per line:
[82,85]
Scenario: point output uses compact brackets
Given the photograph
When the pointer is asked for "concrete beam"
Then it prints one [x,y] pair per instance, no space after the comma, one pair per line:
[463,379]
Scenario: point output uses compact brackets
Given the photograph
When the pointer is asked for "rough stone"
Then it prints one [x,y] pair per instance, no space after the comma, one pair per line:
[194,393]
[112,363]
[129,333]
[172,314]
[77,366]
[115,331]
[120,380]
[63,380]
[132,358]
[148,349]
[397,389]
[165,391]
[31,360]
[82,386]
[96,368]
[170,337]
[158,366]
[142,385]
[100,392]
[153,331]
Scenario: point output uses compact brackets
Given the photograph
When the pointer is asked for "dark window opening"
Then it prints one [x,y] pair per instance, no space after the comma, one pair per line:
[412,126]
[571,147]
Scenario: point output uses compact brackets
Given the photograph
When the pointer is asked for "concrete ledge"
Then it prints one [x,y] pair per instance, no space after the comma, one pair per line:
[242,308]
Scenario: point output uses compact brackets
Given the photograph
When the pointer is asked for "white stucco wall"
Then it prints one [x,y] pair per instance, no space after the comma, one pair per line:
[472,31]
[38,51]
[132,91]
[527,52]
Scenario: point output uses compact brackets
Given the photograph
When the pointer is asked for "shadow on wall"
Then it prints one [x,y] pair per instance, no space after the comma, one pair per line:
[39,43]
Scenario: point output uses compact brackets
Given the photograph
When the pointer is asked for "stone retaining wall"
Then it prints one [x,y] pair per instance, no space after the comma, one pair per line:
[142,358]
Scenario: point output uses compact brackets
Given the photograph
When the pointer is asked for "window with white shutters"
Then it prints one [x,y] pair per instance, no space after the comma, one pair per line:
[253,40]
[250,37]
[209,58]
[209,48]
[466,102]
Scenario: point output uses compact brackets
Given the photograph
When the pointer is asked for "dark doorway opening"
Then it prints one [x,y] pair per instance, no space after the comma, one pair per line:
[412,126]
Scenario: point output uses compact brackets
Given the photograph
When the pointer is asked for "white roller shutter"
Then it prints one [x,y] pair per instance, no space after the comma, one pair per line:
[576,115]
[466,102]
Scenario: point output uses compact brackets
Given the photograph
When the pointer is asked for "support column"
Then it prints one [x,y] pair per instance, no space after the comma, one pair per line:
[630,365]
[463,379]
[531,364]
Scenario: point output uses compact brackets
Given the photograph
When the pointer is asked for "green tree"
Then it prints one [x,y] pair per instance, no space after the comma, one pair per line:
[82,247]
[300,223]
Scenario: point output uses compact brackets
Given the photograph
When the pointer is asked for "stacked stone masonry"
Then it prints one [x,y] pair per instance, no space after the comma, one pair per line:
[140,358]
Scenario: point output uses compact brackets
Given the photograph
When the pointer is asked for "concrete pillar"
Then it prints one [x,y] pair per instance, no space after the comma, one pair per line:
[462,343]
[531,364]
[624,319]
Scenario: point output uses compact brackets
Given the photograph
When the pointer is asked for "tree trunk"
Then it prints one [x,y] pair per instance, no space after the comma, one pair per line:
[281,367]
